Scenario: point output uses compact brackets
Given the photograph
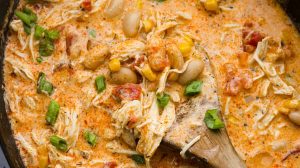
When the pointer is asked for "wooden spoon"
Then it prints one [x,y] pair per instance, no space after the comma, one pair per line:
[214,147]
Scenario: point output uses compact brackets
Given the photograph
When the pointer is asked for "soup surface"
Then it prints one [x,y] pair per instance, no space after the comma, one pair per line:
[96,83]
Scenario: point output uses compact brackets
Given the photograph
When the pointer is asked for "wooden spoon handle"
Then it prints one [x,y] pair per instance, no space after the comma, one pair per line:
[214,147]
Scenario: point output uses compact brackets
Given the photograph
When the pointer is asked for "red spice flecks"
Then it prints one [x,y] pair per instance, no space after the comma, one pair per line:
[128,91]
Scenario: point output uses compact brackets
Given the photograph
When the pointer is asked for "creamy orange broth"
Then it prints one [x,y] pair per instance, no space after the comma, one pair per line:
[222,44]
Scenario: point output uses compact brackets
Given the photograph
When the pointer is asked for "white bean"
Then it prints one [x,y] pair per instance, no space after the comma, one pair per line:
[193,70]
[294,116]
[114,8]
[124,75]
[131,23]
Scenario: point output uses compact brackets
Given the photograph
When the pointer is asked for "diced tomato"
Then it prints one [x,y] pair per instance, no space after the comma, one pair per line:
[255,38]
[87,5]
[128,91]
[251,37]
[110,165]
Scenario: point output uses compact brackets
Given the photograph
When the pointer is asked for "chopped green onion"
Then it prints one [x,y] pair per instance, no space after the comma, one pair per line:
[24,17]
[52,34]
[53,110]
[46,47]
[39,32]
[90,137]
[39,60]
[92,33]
[139,159]
[32,15]
[163,100]
[43,85]
[100,83]
[193,88]
[212,119]
[27,29]
[59,143]
[28,17]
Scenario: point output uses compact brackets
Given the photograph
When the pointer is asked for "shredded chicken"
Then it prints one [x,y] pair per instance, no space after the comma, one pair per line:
[27,146]
[152,133]
[128,49]
[279,86]
[21,68]
[67,124]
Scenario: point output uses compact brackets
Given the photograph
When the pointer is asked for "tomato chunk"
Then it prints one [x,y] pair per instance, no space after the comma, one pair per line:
[252,37]
[87,5]
[128,91]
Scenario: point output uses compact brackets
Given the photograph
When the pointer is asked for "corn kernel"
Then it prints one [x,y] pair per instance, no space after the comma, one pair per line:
[139,4]
[292,104]
[43,157]
[211,5]
[185,48]
[43,161]
[114,65]
[148,73]
[188,40]
[148,25]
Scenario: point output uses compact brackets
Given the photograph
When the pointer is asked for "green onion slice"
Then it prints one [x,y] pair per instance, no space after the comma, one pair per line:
[193,88]
[90,137]
[52,113]
[43,86]
[39,60]
[59,143]
[212,119]
[28,17]
[163,100]
[46,47]
[39,32]
[139,159]
[31,14]
[100,83]
[27,29]
[52,34]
